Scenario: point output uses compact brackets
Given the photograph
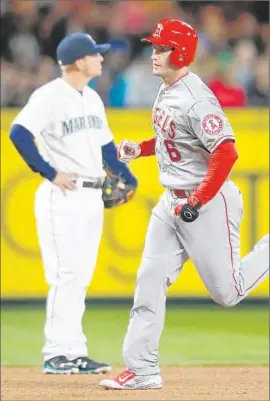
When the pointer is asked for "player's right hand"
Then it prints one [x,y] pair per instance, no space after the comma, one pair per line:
[188,209]
[65,181]
[128,150]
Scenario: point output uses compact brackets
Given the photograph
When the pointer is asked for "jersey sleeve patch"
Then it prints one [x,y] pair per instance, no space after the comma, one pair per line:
[212,124]
[208,122]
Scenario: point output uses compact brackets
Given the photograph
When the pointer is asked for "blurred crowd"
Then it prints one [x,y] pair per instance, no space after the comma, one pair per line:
[232,58]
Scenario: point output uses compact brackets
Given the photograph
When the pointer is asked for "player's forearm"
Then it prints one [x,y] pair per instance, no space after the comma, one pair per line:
[109,156]
[220,166]
[24,142]
[148,147]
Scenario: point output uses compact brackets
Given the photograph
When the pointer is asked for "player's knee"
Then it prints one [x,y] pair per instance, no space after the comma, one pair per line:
[225,299]
[67,277]
[225,303]
[61,279]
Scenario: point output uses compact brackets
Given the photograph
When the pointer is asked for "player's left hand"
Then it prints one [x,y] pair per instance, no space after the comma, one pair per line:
[188,211]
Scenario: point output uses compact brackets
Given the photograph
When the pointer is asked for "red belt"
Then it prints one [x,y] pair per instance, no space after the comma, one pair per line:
[180,193]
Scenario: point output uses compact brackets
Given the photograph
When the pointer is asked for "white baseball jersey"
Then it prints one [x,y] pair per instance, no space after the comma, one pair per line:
[69,127]
[189,125]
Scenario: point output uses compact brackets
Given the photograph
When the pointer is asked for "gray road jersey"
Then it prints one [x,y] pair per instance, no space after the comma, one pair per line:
[189,125]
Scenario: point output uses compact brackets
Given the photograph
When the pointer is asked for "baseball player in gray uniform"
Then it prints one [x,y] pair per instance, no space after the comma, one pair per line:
[199,214]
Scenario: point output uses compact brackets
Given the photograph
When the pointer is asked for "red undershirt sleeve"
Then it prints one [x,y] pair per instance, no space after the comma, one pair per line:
[148,147]
[219,168]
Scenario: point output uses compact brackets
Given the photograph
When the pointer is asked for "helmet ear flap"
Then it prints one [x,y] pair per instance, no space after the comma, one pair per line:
[181,57]
[178,59]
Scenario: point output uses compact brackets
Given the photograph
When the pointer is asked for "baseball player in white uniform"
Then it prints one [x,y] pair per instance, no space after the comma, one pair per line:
[199,214]
[67,121]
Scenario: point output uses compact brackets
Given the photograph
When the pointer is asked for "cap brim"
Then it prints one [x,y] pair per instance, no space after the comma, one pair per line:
[103,48]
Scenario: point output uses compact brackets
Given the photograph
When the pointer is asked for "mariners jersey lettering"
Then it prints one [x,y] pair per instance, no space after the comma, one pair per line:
[189,125]
[69,127]
[78,123]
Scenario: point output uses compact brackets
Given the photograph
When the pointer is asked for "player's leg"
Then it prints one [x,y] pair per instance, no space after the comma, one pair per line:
[162,260]
[161,263]
[69,230]
[91,209]
[213,243]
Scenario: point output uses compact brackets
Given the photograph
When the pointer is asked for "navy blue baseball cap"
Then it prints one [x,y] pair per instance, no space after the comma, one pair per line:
[76,46]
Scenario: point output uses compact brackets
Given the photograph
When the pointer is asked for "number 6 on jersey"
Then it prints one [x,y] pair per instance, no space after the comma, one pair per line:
[173,152]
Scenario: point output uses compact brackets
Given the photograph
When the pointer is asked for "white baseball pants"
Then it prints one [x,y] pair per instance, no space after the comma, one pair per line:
[69,230]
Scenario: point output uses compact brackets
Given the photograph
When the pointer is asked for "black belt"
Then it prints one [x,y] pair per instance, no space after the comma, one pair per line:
[92,184]
[96,184]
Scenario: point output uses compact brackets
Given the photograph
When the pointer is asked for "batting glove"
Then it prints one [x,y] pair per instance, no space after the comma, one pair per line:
[128,150]
[188,211]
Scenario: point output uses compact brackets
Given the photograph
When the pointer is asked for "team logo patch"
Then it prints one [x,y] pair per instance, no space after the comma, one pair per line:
[212,124]
[158,30]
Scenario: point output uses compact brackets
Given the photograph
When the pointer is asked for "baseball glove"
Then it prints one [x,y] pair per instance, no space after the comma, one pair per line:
[115,191]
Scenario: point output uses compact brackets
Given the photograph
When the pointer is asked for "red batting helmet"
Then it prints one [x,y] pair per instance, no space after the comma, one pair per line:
[177,35]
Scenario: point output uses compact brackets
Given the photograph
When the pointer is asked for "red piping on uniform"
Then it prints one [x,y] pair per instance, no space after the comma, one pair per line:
[178,79]
[230,243]
[256,281]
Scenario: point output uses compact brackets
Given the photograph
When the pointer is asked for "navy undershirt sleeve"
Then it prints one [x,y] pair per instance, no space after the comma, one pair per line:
[24,142]
[109,155]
